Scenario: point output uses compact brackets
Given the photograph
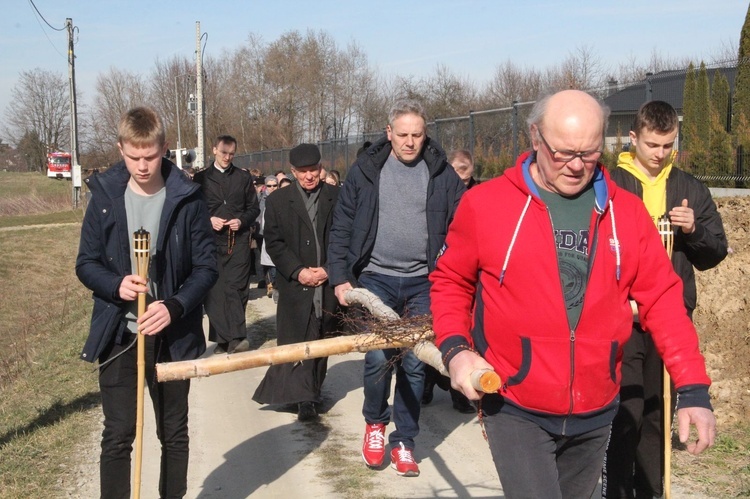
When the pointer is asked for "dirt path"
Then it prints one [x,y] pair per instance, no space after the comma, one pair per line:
[240,449]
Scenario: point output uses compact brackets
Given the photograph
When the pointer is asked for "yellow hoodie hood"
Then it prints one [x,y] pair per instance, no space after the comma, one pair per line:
[654,190]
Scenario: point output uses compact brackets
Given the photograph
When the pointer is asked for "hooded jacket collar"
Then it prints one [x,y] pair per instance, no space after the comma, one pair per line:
[372,160]
[626,161]
[520,176]
[114,181]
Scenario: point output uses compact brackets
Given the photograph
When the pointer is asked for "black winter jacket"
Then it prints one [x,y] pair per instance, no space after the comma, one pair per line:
[184,265]
[703,249]
[355,218]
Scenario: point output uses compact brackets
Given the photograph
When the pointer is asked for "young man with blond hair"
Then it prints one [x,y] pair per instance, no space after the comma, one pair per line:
[144,191]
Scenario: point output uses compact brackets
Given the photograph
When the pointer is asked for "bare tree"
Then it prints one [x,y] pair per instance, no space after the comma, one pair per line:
[632,70]
[581,70]
[171,83]
[511,83]
[448,94]
[39,114]
[299,87]
[358,93]
[116,92]
[283,75]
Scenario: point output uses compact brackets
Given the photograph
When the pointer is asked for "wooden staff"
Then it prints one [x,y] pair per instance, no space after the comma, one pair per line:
[295,352]
[667,238]
[483,380]
[141,249]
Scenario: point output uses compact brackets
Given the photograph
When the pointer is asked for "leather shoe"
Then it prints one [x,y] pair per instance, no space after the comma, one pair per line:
[307,412]
[241,346]
[220,348]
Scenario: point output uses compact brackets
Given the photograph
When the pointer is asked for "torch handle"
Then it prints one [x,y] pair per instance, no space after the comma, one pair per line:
[141,250]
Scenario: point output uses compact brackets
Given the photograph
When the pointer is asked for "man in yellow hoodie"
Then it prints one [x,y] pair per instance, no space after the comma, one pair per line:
[634,460]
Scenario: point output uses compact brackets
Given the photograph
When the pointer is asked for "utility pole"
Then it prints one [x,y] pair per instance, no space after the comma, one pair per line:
[75,166]
[177,112]
[200,151]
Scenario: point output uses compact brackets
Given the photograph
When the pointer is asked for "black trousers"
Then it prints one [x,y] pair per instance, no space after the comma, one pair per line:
[118,385]
[534,463]
[225,303]
[635,456]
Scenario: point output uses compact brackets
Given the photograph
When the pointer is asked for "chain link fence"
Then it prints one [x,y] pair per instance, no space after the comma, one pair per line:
[495,137]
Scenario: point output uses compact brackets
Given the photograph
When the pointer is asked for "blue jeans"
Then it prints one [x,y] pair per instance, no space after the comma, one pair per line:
[407,296]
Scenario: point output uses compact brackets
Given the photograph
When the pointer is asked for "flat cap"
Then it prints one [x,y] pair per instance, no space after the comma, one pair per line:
[304,155]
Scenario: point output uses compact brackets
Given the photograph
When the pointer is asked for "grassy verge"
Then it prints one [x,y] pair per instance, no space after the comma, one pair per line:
[33,194]
[46,393]
[60,217]
[721,471]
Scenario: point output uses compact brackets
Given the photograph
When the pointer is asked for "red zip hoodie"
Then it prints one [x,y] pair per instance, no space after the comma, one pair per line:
[501,241]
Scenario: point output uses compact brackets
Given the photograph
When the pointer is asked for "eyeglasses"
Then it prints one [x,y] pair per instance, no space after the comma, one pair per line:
[272,185]
[568,156]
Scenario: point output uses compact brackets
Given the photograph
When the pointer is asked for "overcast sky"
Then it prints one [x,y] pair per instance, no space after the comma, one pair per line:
[470,37]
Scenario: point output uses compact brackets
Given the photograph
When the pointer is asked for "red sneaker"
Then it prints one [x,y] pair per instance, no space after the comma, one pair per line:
[403,462]
[373,447]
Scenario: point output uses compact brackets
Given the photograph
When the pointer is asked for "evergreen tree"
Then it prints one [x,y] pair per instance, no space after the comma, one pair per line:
[720,98]
[741,102]
[610,156]
[720,149]
[702,107]
[688,110]
[693,125]
[741,134]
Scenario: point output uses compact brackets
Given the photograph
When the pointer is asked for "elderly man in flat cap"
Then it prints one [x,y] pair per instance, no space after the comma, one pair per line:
[297,224]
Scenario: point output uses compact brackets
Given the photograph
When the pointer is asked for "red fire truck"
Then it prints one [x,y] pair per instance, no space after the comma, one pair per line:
[58,165]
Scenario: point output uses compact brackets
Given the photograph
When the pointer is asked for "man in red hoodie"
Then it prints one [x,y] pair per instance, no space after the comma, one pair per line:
[556,251]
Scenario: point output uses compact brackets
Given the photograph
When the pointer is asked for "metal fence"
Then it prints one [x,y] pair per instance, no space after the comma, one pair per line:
[495,137]
[336,155]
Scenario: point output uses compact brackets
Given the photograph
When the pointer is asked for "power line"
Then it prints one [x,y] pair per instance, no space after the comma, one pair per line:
[203,51]
[43,19]
[39,15]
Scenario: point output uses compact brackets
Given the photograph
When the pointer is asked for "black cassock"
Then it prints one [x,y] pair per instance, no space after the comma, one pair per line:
[293,243]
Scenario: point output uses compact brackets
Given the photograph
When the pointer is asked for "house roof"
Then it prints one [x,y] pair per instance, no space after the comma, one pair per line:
[668,86]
